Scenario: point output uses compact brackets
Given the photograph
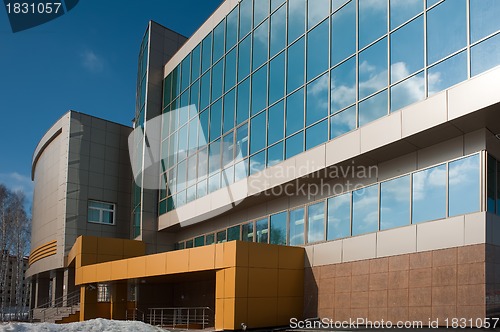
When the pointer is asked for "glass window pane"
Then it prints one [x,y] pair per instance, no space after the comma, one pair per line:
[275,124]
[317,50]
[221,236]
[202,163]
[464,186]
[242,142]
[231,28]
[295,66]
[259,90]
[210,239]
[258,133]
[296,18]
[365,210]
[278,228]
[229,108]
[275,154]
[447,73]
[429,194]
[343,122]
[403,10]
[203,129]
[201,188]
[94,215]
[296,227]
[233,233]
[193,99]
[181,175]
[219,49]
[373,108]
[317,99]
[206,53]
[260,45]
[180,245]
[316,222]
[191,194]
[215,120]
[186,72]
[257,162]
[183,142]
[278,31]
[372,21]
[485,55]
[228,149]
[244,58]
[344,32]
[294,145]
[191,170]
[246,15]
[317,134]
[243,101]
[214,183]
[446,29]
[214,151]
[407,49]
[230,73]
[261,10]
[277,78]
[316,11]
[395,203]
[261,227]
[295,112]
[195,63]
[227,176]
[247,232]
[199,241]
[339,217]
[373,68]
[408,92]
[343,85]
[492,184]
[189,244]
[205,90]
[484,20]
[336,4]
[241,170]
[276,3]
[217,80]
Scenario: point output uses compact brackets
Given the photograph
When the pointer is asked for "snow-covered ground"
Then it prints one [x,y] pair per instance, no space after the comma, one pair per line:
[94,325]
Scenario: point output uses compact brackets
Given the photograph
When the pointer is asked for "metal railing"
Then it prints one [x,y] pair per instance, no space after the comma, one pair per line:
[64,305]
[135,314]
[194,317]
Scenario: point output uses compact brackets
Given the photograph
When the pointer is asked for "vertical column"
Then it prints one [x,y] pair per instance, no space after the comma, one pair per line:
[88,302]
[41,291]
[57,278]
[118,301]
[68,283]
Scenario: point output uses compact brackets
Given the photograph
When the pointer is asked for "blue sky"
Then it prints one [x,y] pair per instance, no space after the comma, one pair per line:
[85,60]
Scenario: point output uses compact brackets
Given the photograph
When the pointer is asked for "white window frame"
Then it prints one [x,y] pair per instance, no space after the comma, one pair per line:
[101,210]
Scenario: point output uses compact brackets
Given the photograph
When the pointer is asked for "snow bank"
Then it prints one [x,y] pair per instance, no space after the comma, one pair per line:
[94,325]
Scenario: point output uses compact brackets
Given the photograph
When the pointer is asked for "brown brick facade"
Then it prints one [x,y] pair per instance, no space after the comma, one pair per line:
[448,283]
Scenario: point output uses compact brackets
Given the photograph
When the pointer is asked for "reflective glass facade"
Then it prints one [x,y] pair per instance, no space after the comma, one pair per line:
[445,190]
[272,81]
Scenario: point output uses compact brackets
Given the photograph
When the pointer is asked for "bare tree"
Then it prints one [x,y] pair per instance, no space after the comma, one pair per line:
[14,247]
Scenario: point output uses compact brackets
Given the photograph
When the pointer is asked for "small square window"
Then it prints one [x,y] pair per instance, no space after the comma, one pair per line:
[101,212]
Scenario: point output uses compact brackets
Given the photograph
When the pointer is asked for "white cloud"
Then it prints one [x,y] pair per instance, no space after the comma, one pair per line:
[18,182]
[91,61]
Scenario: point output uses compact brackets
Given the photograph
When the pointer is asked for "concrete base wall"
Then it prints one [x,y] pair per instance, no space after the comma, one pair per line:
[438,284]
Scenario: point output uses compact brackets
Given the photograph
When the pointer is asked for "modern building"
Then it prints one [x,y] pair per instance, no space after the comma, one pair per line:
[15,293]
[298,159]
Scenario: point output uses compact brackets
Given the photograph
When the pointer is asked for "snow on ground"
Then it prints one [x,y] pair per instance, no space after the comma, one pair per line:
[94,325]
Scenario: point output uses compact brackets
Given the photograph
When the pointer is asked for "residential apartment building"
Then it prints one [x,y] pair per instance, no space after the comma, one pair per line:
[297,159]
